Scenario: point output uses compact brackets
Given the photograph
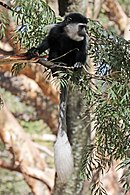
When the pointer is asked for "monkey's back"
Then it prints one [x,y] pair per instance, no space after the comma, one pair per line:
[62,48]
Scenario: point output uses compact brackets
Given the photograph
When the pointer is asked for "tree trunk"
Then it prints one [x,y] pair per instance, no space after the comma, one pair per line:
[54,6]
[78,129]
[25,154]
[72,6]
[78,121]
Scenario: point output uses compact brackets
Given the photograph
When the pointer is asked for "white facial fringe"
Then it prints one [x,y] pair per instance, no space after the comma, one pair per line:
[63,157]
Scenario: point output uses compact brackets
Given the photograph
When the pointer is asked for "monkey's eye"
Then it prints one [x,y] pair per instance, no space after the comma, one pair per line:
[83,26]
[69,19]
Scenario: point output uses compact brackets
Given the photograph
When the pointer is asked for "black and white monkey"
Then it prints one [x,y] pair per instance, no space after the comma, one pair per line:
[66,41]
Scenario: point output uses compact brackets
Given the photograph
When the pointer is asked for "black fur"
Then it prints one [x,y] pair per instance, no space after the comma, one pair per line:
[59,43]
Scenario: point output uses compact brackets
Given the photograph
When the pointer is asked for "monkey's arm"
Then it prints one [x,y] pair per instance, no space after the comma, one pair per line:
[35,51]
[80,58]
[82,53]
[43,46]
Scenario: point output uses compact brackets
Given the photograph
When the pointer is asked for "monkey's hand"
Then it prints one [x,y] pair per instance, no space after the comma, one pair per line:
[78,65]
[32,53]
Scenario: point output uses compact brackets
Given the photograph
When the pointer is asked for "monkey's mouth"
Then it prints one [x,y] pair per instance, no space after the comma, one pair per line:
[82,34]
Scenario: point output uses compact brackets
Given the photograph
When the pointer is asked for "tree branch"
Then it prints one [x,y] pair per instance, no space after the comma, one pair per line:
[9,166]
[22,58]
[31,94]
[116,13]
[6,6]
[26,157]
[31,172]
[34,72]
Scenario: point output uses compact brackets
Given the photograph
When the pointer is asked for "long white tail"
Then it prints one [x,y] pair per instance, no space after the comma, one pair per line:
[63,157]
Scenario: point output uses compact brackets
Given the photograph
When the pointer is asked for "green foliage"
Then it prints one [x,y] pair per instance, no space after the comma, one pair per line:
[16,68]
[3,24]
[31,17]
[125,179]
[97,189]
[108,95]
[112,121]
[109,98]
[108,48]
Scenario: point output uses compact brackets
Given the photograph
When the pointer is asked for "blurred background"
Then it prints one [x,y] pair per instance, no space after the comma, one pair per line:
[29,99]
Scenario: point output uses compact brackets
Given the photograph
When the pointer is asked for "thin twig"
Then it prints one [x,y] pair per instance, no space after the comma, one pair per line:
[64,54]
[6,6]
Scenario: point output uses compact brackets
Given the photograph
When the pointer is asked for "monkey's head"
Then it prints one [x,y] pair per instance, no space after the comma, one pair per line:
[75,26]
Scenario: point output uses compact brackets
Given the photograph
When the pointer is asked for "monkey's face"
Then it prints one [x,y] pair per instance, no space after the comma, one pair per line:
[76,31]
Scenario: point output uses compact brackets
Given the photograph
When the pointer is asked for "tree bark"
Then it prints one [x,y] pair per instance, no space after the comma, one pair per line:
[78,121]
[116,13]
[33,71]
[78,128]
[26,158]
[54,6]
[72,6]
[31,94]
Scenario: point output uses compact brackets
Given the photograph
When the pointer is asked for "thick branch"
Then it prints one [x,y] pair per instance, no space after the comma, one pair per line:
[116,14]
[34,72]
[30,93]
[25,157]
[15,59]
[31,172]
[22,58]
[9,166]
[54,6]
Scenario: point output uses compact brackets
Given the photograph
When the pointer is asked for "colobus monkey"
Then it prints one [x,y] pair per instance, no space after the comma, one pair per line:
[67,37]
[66,42]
